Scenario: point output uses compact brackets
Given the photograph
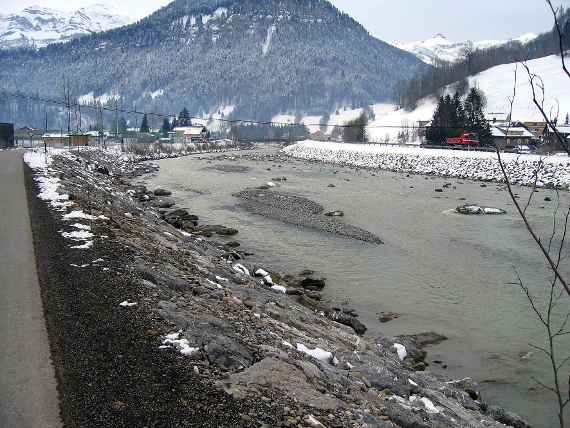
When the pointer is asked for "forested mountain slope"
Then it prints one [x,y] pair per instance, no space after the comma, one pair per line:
[260,56]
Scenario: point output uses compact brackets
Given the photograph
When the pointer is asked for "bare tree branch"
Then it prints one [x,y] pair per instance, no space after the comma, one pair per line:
[560,37]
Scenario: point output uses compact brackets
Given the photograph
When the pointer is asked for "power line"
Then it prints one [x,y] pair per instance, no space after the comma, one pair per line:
[114,110]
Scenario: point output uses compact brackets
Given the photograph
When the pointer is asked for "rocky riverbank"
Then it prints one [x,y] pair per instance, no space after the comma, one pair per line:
[553,171]
[264,349]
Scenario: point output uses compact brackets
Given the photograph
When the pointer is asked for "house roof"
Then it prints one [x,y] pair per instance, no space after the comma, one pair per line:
[512,132]
[54,135]
[190,130]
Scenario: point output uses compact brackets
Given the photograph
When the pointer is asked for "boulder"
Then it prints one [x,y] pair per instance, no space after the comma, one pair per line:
[507,418]
[348,320]
[277,375]
[164,203]
[474,209]
[313,284]
[162,192]
[209,230]
[227,353]
[388,316]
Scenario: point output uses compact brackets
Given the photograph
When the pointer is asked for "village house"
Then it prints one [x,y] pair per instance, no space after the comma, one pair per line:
[61,139]
[512,136]
[537,128]
[551,141]
[189,134]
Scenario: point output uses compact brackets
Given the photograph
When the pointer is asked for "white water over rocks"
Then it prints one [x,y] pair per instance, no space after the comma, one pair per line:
[521,169]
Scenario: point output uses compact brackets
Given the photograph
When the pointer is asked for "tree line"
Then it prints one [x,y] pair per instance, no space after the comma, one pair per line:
[454,116]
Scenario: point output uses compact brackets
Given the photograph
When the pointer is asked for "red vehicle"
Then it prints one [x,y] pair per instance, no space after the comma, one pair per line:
[465,139]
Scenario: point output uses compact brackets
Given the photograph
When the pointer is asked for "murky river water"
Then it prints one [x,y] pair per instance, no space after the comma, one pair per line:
[443,272]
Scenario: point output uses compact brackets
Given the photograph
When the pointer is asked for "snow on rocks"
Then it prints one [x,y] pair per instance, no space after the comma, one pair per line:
[279,288]
[318,353]
[554,172]
[265,275]
[238,267]
[473,209]
[78,235]
[127,304]
[401,350]
[78,215]
[81,226]
[416,402]
[173,340]
[85,246]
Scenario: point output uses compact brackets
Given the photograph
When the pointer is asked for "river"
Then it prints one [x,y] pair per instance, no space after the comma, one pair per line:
[441,271]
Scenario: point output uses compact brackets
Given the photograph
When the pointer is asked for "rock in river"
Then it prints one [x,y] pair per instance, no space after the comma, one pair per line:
[162,192]
[474,209]
[313,284]
[335,214]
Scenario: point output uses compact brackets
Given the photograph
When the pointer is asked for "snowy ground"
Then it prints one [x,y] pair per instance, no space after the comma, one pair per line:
[497,84]
[555,170]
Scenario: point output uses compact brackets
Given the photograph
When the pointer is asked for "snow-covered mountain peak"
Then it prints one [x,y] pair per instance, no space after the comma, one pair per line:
[441,48]
[38,26]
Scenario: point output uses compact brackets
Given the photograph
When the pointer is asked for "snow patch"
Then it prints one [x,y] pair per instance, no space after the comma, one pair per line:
[401,350]
[267,43]
[127,304]
[279,288]
[173,340]
[317,353]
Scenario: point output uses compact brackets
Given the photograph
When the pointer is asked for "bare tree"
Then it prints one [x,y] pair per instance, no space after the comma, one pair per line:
[552,316]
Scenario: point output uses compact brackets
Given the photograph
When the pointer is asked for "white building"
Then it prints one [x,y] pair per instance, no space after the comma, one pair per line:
[189,134]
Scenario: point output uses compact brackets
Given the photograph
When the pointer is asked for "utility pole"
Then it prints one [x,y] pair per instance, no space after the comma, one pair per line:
[45,133]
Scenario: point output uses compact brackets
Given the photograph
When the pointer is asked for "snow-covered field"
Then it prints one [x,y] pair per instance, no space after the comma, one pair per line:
[496,83]
[554,172]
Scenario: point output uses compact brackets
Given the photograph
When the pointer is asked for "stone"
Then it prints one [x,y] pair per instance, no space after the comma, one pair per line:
[278,375]
[313,284]
[162,192]
[164,203]
[348,320]
[505,417]
[227,353]
[335,214]
[474,209]
[331,185]
[388,316]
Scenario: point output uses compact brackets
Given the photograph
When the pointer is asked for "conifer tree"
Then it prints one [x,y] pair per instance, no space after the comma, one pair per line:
[144,125]
[165,127]
[184,118]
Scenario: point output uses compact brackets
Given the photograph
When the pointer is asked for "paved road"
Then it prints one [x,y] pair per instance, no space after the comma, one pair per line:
[28,395]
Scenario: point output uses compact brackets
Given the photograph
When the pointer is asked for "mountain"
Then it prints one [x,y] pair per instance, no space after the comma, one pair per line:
[440,48]
[254,58]
[38,26]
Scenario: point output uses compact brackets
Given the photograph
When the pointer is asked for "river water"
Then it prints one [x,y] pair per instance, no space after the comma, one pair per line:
[441,271]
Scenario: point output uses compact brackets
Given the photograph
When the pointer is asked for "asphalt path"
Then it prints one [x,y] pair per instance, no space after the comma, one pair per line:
[28,389]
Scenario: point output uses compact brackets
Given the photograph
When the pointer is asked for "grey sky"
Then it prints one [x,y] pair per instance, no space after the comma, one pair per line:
[390,20]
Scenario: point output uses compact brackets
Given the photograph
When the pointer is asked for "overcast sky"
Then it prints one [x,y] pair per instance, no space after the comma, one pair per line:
[390,20]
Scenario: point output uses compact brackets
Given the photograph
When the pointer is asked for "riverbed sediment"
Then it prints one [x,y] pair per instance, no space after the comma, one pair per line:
[190,302]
